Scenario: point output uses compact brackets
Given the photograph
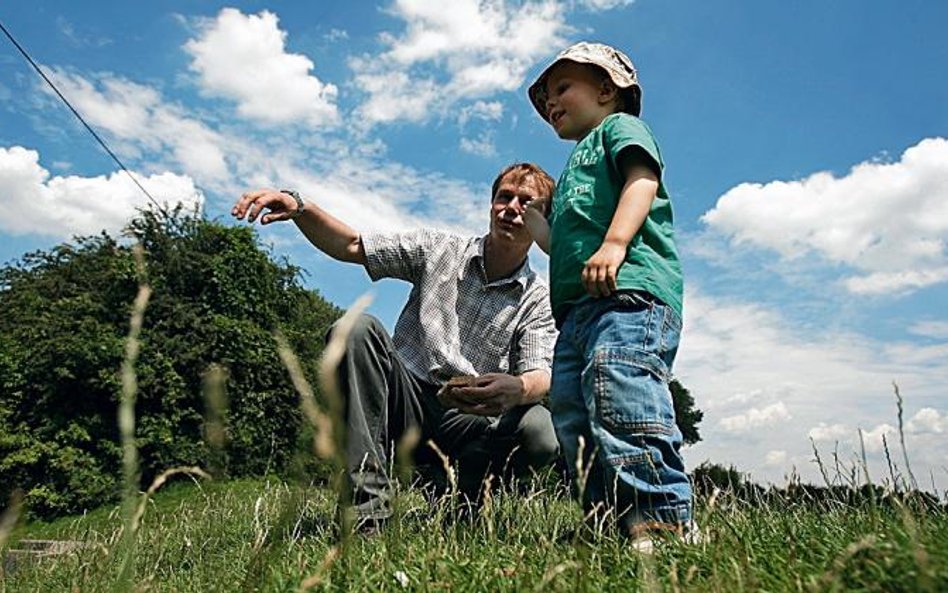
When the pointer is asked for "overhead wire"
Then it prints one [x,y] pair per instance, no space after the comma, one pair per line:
[75,112]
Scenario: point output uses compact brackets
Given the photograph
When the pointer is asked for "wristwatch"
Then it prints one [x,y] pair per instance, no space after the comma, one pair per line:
[299,201]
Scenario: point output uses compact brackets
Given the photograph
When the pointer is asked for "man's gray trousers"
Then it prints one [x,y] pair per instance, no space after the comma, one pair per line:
[383,400]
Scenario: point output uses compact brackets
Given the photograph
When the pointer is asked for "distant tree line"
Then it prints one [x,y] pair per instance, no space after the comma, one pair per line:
[712,480]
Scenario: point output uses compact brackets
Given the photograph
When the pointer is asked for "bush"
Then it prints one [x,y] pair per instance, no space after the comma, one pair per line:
[217,298]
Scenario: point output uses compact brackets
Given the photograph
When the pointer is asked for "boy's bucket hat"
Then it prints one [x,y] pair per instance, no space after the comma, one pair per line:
[616,64]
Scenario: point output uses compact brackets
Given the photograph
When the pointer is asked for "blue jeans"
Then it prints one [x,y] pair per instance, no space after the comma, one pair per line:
[611,369]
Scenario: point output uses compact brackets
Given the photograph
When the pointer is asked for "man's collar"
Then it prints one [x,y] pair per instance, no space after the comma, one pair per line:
[522,274]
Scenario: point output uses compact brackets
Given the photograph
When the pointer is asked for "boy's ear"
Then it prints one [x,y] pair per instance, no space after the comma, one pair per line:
[608,91]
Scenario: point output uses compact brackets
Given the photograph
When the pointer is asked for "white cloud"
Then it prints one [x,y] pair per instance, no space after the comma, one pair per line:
[483,145]
[927,421]
[756,417]
[745,396]
[776,458]
[887,221]
[376,195]
[876,439]
[480,110]
[744,363]
[830,432]
[597,5]
[886,282]
[62,207]
[367,192]
[243,57]
[336,35]
[449,53]
[395,96]
[137,115]
[931,329]
[78,39]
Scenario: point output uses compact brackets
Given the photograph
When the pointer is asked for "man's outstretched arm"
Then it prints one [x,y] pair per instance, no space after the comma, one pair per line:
[326,232]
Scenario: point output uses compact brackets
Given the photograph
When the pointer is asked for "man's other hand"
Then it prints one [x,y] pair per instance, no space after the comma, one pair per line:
[490,394]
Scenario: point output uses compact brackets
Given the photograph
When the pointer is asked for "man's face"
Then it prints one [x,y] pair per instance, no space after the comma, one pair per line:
[514,192]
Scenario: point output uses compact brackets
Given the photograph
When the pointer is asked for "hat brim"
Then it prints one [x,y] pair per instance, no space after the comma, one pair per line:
[537,90]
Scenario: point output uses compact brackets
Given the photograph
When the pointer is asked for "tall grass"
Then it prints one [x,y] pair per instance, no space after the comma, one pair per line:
[125,548]
[271,535]
[205,538]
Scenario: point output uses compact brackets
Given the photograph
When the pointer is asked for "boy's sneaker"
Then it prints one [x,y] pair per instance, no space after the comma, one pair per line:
[645,537]
[643,544]
[692,534]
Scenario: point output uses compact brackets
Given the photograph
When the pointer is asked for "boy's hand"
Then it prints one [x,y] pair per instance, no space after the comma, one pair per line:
[599,275]
[534,218]
[541,205]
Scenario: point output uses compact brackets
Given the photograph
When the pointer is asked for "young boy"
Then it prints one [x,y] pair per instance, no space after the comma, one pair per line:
[616,292]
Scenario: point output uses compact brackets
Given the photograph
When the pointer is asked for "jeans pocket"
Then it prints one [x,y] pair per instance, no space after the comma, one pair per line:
[633,300]
[631,391]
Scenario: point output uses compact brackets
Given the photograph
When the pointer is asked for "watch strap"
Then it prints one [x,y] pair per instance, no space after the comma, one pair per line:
[300,205]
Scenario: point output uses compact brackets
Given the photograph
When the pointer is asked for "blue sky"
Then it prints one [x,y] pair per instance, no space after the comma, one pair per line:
[805,145]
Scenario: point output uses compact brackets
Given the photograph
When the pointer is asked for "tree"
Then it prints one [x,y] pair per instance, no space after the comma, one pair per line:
[710,476]
[217,298]
[686,415]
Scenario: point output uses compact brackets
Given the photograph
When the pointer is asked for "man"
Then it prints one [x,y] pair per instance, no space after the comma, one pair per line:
[476,310]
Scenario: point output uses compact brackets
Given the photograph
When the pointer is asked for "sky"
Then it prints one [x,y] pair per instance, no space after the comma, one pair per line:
[806,150]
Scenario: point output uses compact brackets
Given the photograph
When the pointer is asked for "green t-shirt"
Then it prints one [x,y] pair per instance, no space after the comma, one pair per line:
[585,201]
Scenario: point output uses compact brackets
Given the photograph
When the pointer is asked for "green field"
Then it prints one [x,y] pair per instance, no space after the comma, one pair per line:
[255,535]
[274,535]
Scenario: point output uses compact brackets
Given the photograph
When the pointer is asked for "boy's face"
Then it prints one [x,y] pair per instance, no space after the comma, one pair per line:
[578,99]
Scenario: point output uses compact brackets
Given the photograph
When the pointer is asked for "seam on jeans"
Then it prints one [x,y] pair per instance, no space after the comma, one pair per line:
[643,458]
[670,324]
[663,334]
[641,361]
[600,385]
[649,321]
[671,319]
[648,428]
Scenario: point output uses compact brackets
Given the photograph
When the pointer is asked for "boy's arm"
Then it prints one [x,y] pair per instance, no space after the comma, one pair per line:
[635,201]
[537,225]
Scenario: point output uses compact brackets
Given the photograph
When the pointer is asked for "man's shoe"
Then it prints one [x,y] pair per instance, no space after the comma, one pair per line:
[365,526]
[369,527]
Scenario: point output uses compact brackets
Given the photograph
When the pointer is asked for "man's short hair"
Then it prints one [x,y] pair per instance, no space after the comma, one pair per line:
[524,171]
